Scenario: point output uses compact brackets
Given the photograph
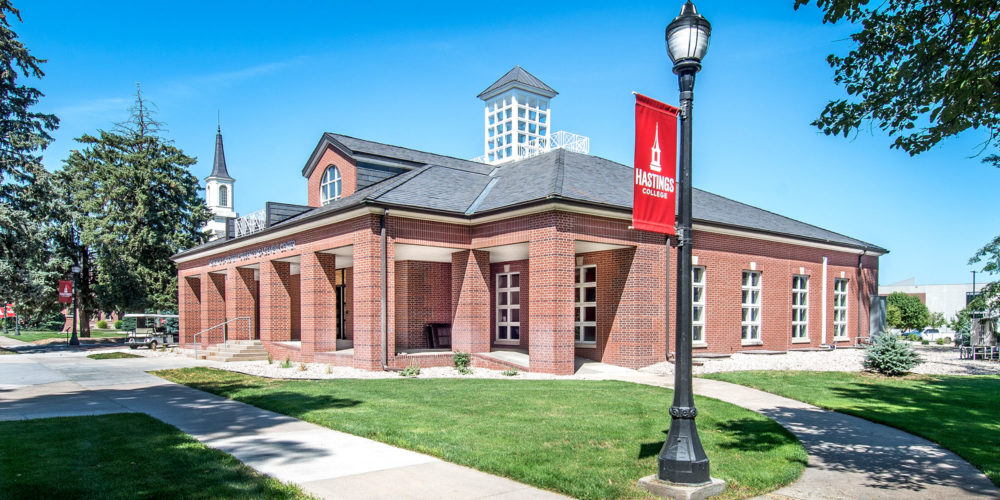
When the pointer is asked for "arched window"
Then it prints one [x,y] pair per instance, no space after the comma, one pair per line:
[223,196]
[329,186]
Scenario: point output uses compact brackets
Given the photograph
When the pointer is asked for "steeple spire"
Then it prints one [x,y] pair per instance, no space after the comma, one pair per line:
[219,167]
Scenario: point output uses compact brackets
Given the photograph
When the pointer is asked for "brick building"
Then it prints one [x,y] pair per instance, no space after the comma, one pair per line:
[532,255]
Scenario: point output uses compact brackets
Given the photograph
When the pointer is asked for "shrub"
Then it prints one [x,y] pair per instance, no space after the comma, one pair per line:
[287,363]
[942,341]
[329,369]
[947,340]
[410,371]
[270,359]
[302,367]
[510,372]
[118,324]
[889,356]
[461,359]
[925,342]
[103,325]
[913,337]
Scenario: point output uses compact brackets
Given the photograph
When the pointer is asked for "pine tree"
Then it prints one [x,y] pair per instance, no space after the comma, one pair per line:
[23,135]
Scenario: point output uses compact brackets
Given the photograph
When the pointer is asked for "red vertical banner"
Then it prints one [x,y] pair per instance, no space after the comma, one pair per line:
[10,311]
[66,292]
[654,195]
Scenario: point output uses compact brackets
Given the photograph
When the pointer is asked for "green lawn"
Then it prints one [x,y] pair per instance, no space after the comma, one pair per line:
[128,455]
[112,355]
[961,413]
[33,335]
[581,438]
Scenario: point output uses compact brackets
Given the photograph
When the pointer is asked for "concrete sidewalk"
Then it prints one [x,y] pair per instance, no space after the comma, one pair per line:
[849,457]
[327,463]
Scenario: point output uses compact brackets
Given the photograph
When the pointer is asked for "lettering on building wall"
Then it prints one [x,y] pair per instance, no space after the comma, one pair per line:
[253,254]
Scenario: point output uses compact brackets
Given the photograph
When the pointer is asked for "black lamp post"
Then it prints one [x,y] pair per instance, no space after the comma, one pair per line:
[682,459]
[76,273]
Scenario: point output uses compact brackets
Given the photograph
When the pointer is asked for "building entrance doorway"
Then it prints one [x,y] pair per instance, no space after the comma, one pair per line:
[509,308]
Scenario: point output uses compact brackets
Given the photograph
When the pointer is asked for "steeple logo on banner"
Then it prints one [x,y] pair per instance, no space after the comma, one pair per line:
[654,163]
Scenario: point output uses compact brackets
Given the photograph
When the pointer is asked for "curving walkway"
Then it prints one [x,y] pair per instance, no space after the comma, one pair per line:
[849,457]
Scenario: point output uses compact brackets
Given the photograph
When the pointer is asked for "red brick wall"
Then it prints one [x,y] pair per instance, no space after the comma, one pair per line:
[348,174]
[551,260]
[367,296]
[275,301]
[318,304]
[189,307]
[295,306]
[423,295]
[241,302]
[213,307]
[470,292]
[517,266]
[344,278]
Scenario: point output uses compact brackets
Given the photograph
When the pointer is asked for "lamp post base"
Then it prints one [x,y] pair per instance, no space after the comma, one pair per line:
[678,491]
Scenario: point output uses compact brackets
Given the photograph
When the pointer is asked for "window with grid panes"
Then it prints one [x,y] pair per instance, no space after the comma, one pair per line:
[698,304]
[586,304]
[840,307]
[800,307]
[750,316]
[509,307]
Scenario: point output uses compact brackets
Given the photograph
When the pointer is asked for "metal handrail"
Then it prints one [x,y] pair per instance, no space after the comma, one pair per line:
[225,332]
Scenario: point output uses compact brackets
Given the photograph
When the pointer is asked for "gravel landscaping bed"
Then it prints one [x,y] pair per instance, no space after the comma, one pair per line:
[938,360]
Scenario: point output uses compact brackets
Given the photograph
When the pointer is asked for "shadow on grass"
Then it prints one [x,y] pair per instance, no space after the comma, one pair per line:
[754,435]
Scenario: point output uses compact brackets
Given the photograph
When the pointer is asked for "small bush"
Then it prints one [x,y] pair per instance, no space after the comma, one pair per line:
[118,324]
[889,356]
[287,363]
[942,341]
[410,371]
[329,369]
[302,367]
[510,372]
[913,337]
[925,342]
[270,359]
[103,325]
[461,360]
[947,340]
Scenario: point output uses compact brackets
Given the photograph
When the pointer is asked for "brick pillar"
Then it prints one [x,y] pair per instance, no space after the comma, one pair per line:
[213,307]
[551,262]
[189,307]
[319,304]
[275,301]
[470,301]
[367,282]
[638,330]
[241,302]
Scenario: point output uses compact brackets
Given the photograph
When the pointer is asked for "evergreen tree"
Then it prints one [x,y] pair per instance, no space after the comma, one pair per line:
[132,204]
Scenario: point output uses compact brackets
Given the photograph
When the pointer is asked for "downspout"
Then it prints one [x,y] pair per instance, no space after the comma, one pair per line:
[823,304]
[385,293]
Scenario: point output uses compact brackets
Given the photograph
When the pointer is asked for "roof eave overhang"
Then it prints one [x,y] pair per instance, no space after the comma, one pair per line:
[490,94]
[327,141]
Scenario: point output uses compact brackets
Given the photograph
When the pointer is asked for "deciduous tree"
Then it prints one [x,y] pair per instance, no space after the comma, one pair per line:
[913,314]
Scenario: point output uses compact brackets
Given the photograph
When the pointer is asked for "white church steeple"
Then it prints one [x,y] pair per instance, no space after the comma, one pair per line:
[219,194]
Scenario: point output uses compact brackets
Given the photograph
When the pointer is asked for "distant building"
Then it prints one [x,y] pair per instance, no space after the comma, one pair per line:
[219,193]
[946,299]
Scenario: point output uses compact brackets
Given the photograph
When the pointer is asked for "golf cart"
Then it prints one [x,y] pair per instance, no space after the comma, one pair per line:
[151,330]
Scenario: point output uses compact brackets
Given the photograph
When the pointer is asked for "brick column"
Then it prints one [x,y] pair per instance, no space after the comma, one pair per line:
[213,307]
[241,302]
[367,281]
[470,301]
[189,307]
[319,305]
[638,331]
[551,261]
[275,301]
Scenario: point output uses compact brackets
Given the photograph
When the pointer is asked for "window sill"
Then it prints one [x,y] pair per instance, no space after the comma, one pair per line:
[800,341]
[752,342]
[507,342]
[587,345]
[699,344]
[841,339]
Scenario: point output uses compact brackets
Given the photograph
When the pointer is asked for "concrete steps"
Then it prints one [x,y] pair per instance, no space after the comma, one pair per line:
[236,350]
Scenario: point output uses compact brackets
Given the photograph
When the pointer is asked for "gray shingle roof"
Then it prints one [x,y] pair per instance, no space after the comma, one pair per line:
[517,75]
[462,188]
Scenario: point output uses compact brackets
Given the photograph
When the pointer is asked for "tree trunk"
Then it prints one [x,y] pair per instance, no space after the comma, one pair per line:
[86,300]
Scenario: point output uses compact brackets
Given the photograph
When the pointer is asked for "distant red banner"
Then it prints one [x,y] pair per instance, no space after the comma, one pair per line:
[65,292]
[654,191]
[10,311]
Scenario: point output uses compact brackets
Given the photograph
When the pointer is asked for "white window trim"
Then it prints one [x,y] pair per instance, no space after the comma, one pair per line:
[496,333]
[582,304]
[759,305]
[704,294]
[324,198]
[846,323]
[803,307]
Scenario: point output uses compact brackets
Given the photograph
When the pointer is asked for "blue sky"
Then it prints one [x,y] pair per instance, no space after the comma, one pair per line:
[408,74]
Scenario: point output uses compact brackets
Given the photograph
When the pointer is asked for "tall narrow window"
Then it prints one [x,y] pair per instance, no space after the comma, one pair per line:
[750,319]
[509,307]
[800,307]
[223,196]
[839,307]
[329,187]
[698,305]
[586,304]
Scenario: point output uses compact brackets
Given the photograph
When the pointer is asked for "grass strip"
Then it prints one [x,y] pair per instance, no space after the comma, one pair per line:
[585,439]
[112,355]
[958,412]
[126,455]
